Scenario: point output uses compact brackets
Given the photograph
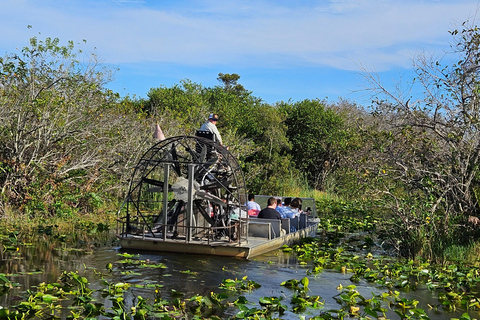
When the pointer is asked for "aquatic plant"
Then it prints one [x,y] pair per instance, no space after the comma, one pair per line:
[300,299]
[6,285]
[239,285]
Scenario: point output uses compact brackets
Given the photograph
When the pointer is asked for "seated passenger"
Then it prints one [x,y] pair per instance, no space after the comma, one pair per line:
[299,204]
[295,207]
[292,210]
[269,212]
[283,208]
[279,205]
[251,204]
[211,125]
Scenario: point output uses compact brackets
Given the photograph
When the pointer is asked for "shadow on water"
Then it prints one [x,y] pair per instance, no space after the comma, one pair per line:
[42,261]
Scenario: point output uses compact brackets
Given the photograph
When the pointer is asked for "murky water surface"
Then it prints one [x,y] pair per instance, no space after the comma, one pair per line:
[190,274]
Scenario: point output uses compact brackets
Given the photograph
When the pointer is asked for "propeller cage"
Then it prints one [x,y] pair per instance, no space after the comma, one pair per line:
[186,188]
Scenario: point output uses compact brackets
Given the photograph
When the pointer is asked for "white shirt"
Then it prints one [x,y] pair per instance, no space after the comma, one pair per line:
[253,205]
[209,126]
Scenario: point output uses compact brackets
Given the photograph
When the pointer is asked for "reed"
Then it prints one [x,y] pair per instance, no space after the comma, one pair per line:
[466,254]
[92,227]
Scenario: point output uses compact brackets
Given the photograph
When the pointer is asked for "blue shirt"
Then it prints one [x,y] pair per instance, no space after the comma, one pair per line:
[288,212]
[283,211]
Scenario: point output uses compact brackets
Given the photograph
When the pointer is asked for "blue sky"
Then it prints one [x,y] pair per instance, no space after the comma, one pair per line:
[282,49]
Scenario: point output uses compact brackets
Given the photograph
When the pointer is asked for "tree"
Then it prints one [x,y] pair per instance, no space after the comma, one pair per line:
[319,139]
[60,131]
[253,130]
[186,103]
[230,82]
[270,166]
[427,160]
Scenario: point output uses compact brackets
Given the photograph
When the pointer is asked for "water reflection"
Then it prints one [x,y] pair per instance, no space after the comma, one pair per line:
[190,274]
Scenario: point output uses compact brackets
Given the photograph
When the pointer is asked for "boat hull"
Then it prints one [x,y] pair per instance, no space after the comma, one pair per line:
[250,248]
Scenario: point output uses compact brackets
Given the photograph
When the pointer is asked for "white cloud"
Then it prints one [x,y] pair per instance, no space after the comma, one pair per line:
[335,33]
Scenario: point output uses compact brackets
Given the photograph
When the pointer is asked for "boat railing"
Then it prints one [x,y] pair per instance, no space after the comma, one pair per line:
[234,232]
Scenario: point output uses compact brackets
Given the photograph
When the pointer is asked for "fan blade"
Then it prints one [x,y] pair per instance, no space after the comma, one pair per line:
[204,168]
[173,157]
[203,153]
[177,210]
[155,189]
[153,182]
[217,184]
[204,212]
[209,197]
[158,185]
[197,153]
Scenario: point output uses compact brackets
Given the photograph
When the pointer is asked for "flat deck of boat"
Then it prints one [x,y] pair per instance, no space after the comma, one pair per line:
[246,248]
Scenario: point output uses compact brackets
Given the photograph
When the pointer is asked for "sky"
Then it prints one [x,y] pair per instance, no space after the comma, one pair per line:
[283,50]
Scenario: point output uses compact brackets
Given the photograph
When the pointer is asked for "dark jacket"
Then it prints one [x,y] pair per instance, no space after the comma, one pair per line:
[269,213]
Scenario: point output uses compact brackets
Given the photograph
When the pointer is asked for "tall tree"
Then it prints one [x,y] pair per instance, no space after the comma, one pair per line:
[318,137]
[230,82]
[429,155]
[58,127]
[184,102]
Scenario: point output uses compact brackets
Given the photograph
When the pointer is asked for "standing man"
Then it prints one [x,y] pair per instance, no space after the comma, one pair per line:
[211,125]
[269,212]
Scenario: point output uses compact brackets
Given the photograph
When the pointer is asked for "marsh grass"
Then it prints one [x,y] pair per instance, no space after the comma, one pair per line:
[92,227]
[318,195]
[466,254]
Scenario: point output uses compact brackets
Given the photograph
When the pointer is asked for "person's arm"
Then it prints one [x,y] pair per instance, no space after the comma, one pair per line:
[217,133]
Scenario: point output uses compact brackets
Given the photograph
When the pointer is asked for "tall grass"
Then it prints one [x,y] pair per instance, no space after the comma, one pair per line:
[92,227]
[465,254]
[297,186]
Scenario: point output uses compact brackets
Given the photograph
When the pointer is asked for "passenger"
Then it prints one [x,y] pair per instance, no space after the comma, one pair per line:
[287,201]
[299,204]
[279,205]
[253,208]
[269,212]
[288,211]
[251,204]
[281,208]
[295,207]
[211,125]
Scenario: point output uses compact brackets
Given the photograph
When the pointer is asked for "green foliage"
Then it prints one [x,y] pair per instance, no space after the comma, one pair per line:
[68,143]
[319,139]
[65,138]
[239,285]
[424,151]
[6,285]
[183,103]
[230,82]
[301,300]
[78,139]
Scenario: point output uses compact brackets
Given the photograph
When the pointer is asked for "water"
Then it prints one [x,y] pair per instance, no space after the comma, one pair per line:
[190,274]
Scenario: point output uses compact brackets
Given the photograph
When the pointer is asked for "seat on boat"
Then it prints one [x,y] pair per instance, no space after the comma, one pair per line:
[276,225]
[302,223]
[260,230]
[207,135]
[294,222]
[286,224]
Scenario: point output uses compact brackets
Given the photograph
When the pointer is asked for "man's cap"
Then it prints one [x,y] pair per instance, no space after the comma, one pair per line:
[213,116]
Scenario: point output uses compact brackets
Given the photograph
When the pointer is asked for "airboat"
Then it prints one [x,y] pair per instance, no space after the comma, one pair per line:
[187,194]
